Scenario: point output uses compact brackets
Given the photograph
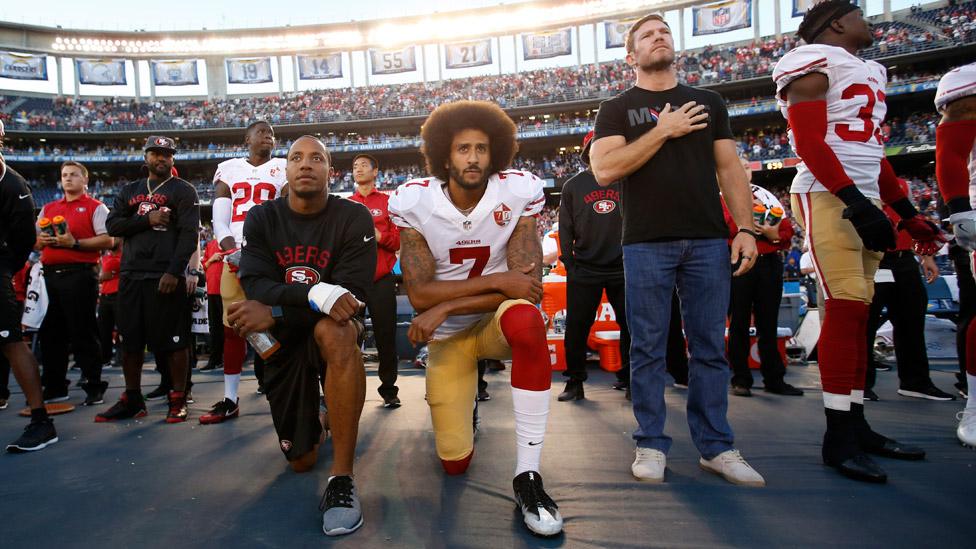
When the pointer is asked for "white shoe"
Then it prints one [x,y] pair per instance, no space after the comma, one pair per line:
[733,468]
[967,428]
[649,465]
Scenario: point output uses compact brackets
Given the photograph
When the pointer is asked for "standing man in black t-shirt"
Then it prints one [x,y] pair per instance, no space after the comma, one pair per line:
[16,241]
[589,242]
[158,217]
[307,263]
[666,142]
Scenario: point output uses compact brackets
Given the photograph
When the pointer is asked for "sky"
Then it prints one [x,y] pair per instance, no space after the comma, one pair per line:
[218,14]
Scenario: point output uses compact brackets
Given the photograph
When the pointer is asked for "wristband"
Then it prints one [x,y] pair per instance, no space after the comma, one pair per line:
[322,296]
[76,245]
[276,313]
[750,232]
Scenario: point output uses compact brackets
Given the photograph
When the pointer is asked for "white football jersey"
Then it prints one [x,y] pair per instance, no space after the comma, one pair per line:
[855,109]
[249,186]
[958,83]
[466,246]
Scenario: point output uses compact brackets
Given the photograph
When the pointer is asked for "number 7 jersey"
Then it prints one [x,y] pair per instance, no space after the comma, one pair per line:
[855,109]
[472,245]
[249,186]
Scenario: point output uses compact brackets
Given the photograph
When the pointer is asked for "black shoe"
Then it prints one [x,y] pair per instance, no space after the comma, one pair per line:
[95,393]
[961,386]
[483,395]
[391,402]
[783,388]
[212,366]
[123,409]
[880,445]
[840,449]
[869,394]
[539,512]
[573,391]
[37,436]
[495,365]
[159,393]
[56,394]
[259,390]
[880,367]
[620,385]
[741,391]
[930,393]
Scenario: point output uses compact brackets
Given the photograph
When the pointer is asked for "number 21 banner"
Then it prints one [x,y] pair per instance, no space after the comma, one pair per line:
[249,71]
[393,61]
[468,54]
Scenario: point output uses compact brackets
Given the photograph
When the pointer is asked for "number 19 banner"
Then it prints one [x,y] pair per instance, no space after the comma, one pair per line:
[318,67]
[467,54]
[249,71]
[393,61]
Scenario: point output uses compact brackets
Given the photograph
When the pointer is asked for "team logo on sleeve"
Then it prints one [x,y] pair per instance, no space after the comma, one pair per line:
[502,214]
[301,275]
[274,171]
[285,445]
[376,212]
[604,206]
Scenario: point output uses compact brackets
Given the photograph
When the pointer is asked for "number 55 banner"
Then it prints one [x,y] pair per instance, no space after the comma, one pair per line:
[249,71]
[393,61]
[468,54]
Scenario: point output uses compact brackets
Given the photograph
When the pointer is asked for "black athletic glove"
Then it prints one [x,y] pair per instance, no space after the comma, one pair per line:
[871,224]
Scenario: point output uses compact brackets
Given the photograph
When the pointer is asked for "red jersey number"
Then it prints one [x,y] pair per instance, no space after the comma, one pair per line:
[257,194]
[865,113]
[479,254]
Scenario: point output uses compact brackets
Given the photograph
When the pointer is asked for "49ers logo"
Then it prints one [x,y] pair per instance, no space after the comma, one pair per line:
[604,206]
[376,212]
[145,208]
[301,275]
[502,215]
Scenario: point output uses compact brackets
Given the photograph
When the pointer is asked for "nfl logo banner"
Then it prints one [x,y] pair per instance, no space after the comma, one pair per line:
[174,72]
[800,7]
[101,72]
[467,54]
[543,45]
[318,67]
[722,17]
[616,32]
[249,71]
[393,61]
[23,66]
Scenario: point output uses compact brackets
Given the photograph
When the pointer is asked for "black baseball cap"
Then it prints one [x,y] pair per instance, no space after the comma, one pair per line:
[160,143]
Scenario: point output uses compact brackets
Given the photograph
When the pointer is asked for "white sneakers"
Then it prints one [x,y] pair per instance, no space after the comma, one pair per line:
[649,465]
[733,467]
[967,427]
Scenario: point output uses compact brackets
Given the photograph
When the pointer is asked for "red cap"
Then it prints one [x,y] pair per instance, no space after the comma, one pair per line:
[585,153]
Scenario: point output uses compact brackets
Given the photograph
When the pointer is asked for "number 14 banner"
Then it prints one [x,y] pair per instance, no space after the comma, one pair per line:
[249,71]
[468,54]
[317,67]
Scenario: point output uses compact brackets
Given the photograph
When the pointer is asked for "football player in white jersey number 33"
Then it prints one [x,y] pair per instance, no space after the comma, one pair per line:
[835,103]
[472,264]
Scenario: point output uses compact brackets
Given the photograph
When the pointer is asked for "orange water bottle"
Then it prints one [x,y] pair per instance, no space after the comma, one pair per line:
[60,224]
[775,215]
[46,226]
[759,213]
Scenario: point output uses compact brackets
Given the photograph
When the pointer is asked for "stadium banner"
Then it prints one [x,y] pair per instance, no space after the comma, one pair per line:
[174,72]
[393,61]
[722,17]
[467,54]
[251,70]
[616,32]
[23,66]
[101,72]
[319,66]
[800,7]
[543,45]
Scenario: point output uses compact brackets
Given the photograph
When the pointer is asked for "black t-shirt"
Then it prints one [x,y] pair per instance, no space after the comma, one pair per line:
[16,221]
[675,195]
[148,252]
[286,252]
[589,229]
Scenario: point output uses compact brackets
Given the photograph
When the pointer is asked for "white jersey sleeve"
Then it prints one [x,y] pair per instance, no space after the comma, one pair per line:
[467,246]
[954,85]
[249,186]
[855,110]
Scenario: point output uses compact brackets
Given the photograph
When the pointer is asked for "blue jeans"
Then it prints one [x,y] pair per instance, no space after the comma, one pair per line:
[701,270]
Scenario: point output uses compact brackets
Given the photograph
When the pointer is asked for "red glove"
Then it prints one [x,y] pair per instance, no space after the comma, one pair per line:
[928,238]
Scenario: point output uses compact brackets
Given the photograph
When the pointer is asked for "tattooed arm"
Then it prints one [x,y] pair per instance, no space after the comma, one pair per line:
[525,250]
